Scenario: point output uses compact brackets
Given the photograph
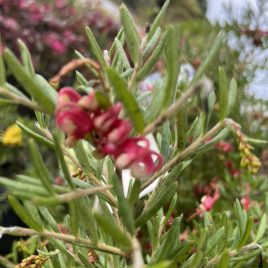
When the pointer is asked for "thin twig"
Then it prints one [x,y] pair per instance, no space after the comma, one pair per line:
[21,100]
[72,65]
[19,231]
[78,193]
[186,152]
[137,254]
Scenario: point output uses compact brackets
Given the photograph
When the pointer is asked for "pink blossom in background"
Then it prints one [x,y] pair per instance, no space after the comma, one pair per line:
[225,147]
[246,201]
[56,44]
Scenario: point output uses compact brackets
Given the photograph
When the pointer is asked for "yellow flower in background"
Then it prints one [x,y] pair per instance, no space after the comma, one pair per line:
[12,136]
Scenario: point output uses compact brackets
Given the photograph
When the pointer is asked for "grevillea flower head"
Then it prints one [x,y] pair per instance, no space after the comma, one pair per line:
[78,116]
[70,117]
[67,94]
[73,120]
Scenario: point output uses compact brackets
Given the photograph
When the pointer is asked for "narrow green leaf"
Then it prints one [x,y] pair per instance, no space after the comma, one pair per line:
[80,56]
[81,79]
[171,240]
[211,104]
[124,209]
[198,131]
[152,44]
[111,228]
[73,213]
[127,73]
[170,209]
[262,228]
[95,47]
[182,252]
[242,217]
[26,58]
[172,62]
[161,198]
[46,87]
[242,224]
[134,193]
[83,157]
[203,238]
[63,164]
[122,54]
[39,94]
[2,69]
[152,60]
[48,218]
[182,127]
[164,264]
[36,136]
[35,181]
[116,64]
[211,101]
[40,167]
[14,90]
[208,60]
[165,148]
[224,261]
[156,105]
[132,36]
[169,179]
[196,259]
[158,19]
[31,190]
[221,246]
[193,127]
[6,102]
[49,254]
[103,100]
[23,214]
[246,234]
[119,36]
[232,94]
[214,240]
[88,219]
[257,141]
[223,93]
[128,100]
[33,211]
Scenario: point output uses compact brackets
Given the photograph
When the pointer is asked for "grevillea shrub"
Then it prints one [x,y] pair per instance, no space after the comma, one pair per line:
[125,153]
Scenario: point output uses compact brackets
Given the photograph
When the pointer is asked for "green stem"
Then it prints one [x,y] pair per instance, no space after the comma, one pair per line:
[19,231]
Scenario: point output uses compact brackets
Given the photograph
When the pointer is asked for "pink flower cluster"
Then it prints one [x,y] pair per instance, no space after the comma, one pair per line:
[81,117]
[208,200]
[225,147]
[51,28]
